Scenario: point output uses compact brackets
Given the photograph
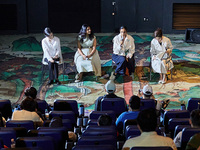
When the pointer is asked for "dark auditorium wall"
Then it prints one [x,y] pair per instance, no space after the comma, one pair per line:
[67,16]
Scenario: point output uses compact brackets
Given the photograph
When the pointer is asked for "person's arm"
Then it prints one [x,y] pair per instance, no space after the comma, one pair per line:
[80,51]
[131,47]
[58,49]
[93,48]
[169,47]
[117,44]
[46,52]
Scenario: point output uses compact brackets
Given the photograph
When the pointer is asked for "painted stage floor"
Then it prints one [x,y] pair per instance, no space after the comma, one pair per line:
[20,67]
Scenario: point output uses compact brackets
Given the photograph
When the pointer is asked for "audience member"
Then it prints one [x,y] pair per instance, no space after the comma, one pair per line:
[194,142]
[134,107]
[104,120]
[31,92]
[195,123]
[110,88]
[57,122]
[147,123]
[28,111]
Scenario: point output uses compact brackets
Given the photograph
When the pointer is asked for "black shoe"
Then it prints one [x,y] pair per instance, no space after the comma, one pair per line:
[57,82]
[50,82]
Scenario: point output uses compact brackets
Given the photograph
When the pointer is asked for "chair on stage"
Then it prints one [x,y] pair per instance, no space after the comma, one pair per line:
[193,103]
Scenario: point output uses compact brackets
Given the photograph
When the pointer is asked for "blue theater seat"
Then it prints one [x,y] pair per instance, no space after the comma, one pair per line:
[66,105]
[147,103]
[45,142]
[42,106]
[28,124]
[179,128]
[187,133]
[193,104]
[23,148]
[7,135]
[99,132]
[5,108]
[118,105]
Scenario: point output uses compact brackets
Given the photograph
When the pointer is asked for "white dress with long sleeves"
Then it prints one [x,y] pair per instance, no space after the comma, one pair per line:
[91,64]
[51,49]
[128,47]
[161,62]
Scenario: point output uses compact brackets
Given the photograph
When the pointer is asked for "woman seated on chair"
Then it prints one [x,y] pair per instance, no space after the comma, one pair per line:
[161,49]
[52,55]
[87,58]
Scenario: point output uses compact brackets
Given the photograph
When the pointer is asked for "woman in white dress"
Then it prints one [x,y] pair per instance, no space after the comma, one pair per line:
[87,58]
[161,49]
[52,55]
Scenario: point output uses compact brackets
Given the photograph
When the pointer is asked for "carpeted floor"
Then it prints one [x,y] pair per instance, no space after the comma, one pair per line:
[20,67]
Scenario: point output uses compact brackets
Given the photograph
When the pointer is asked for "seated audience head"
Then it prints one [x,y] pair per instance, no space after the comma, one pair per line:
[195,118]
[31,92]
[110,87]
[147,91]
[134,102]
[104,120]
[29,104]
[147,120]
[56,122]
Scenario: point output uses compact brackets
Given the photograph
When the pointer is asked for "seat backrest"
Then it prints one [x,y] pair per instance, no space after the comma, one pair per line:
[132,130]
[7,135]
[97,114]
[20,131]
[28,124]
[118,105]
[66,105]
[45,142]
[152,148]
[5,108]
[129,122]
[174,114]
[23,148]
[179,128]
[91,147]
[147,103]
[42,106]
[173,122]
[64,115]
[98,140]
[187,133]
[193,104]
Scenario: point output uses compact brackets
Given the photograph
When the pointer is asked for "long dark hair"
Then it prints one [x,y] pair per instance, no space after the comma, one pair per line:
[82,32]
[158,33]
[47,31]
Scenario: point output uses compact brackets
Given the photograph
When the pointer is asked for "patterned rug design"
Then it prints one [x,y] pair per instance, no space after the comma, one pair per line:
[20,67]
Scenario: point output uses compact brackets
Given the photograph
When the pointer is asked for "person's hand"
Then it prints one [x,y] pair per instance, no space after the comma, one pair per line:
[84,57]
[52,61]
[168,51]
[198,148]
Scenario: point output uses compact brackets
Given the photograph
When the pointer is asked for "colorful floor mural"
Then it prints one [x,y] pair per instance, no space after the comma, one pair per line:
[20,67]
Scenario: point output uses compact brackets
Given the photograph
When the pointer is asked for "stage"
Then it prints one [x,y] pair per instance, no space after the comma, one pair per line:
[20,67]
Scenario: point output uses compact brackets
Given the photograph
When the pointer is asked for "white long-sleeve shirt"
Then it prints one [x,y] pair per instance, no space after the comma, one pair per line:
[128,47]
[51,48]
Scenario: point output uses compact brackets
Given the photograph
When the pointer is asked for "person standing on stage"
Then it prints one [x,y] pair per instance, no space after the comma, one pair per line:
[161,49]
[51,55]
[87,58]
[123,53]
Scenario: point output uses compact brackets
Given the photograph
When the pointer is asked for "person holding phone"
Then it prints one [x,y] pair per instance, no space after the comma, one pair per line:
[161,49]
[123,53]
[51,55]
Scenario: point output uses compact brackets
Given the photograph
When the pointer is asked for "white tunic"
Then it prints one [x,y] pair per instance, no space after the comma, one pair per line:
[51,49]
[128,47]
[161,62]
[91,64]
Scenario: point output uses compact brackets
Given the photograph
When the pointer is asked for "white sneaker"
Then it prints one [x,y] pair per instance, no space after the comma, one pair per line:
[76,81]
[160,81]
[112,76]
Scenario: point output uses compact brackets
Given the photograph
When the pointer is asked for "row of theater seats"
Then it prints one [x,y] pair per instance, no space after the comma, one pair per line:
[174,121]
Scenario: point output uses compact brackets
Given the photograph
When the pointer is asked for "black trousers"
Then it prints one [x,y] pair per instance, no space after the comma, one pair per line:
[53,70]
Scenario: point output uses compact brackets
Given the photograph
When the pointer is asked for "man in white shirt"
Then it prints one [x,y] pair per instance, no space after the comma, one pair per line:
[123,52]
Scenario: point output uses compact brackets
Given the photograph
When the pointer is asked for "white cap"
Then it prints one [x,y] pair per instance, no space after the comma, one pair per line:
[110,86]
[147,90]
